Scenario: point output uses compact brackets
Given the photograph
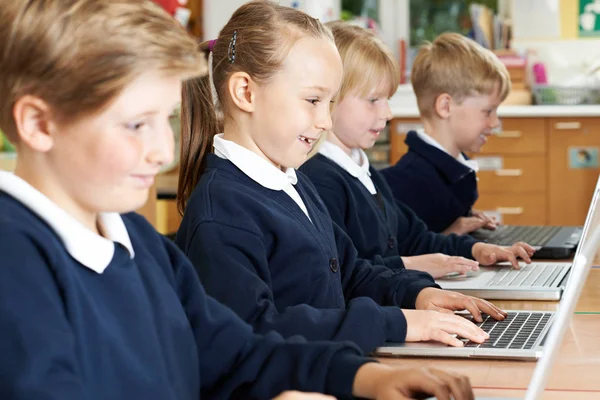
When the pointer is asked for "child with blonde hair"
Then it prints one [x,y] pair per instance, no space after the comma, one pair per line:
[98,305]
[258,233]
[459,86]
[357,196]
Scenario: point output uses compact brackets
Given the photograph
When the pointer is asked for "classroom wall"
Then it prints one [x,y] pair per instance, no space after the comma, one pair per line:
[217,13]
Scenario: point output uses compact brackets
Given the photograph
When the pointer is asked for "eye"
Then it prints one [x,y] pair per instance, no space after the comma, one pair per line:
[313,101]
[373,101]
[136,126]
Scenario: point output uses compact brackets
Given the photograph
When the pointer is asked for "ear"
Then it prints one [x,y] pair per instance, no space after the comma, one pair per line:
[442,105]
[241,90]
[33,119]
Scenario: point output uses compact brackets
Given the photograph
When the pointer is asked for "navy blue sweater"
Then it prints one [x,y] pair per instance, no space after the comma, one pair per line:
[144,329]
[257,252]
[378,225]
[438,188]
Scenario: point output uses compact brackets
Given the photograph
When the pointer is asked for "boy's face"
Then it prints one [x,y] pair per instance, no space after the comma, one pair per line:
[293,109]
[472,121]
[107,161]
[358,121]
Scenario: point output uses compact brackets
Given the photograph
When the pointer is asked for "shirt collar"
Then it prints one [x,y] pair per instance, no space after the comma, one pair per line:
[90,249]
[472,164]
[447,165]
[254,166]
[348,163]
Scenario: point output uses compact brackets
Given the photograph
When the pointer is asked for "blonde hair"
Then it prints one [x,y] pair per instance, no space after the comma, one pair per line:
[456,65]
[256,40]
[77,55]
[367,61]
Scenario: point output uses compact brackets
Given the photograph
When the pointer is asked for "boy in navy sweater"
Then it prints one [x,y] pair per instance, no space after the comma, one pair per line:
[258,233]
[459,86]
[98,305]
[357,196]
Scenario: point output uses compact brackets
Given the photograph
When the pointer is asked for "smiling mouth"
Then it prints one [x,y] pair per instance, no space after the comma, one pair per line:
[307,140]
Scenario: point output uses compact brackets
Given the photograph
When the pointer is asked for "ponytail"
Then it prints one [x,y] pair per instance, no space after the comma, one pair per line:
[199,125]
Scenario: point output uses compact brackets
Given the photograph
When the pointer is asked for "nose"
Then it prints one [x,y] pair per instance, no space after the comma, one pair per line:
[161,147]
[386,111]
[495,121]
[324,121]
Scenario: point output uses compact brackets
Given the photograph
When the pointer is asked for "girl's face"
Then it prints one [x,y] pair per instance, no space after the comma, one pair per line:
[358,120]
[106,162]
[292,110]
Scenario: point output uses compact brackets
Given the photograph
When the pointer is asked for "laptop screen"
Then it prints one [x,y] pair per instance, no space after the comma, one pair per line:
[582,263]
[592,218]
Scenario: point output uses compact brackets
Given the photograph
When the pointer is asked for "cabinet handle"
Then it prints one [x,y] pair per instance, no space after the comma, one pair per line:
[510,210]
[567,125]
[508,134]
[509,172]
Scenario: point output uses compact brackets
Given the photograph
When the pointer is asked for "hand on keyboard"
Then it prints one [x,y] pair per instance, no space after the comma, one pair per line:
[491,223]
[439,265]
[448,302]
[488,254]
[426,325]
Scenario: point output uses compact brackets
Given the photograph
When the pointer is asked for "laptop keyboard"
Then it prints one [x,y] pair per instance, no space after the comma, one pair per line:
[533,235]
[520,330]
[528,276]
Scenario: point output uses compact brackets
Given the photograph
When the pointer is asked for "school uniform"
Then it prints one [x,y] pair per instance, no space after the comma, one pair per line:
[360,201]
[436,186]
[85,317]
[279,261]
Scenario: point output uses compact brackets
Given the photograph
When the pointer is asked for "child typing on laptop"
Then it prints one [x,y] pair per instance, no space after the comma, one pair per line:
[357,196]
[98,305]
[459,86]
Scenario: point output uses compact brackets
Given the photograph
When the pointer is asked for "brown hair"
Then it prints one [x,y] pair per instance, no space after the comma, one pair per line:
[456,65]
[367,61]
[264,34]
[77,55]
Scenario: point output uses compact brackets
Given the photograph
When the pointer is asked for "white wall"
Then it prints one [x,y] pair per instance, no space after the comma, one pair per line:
[217,12]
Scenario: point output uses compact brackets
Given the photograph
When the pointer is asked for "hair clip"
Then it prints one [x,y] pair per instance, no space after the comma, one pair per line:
[231,52]
[211,45]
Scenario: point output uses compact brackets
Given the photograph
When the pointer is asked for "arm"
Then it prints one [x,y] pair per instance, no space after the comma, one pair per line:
[337,204]
[387,287]
[233,267]
[415,239]
[268,365]
[36,341]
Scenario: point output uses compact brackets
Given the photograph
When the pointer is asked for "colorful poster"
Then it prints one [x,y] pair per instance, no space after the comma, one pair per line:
[589,18]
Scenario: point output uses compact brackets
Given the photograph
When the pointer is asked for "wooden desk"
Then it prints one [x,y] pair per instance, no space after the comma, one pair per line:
[575,369]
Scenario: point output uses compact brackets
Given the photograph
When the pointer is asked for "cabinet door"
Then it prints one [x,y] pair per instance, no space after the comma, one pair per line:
[574,144]
[513,174]
[399,127]
[515,208]
[518,136]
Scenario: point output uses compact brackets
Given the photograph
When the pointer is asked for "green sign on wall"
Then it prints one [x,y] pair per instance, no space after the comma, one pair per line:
[589,18]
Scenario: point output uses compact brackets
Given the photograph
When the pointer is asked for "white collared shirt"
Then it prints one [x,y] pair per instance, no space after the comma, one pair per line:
[356,165]
[87,247]
[259,170]
[472,164]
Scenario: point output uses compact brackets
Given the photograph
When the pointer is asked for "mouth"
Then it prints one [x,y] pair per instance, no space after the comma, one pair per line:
[144,181]
[375,131]
[307,140]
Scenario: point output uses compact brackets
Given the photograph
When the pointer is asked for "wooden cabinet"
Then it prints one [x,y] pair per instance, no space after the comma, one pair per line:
[571,189]
[525,171]
[399,127]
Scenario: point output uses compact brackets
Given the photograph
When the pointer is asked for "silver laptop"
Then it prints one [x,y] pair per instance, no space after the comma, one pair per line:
[553,339]
[523,334]
[536,281]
